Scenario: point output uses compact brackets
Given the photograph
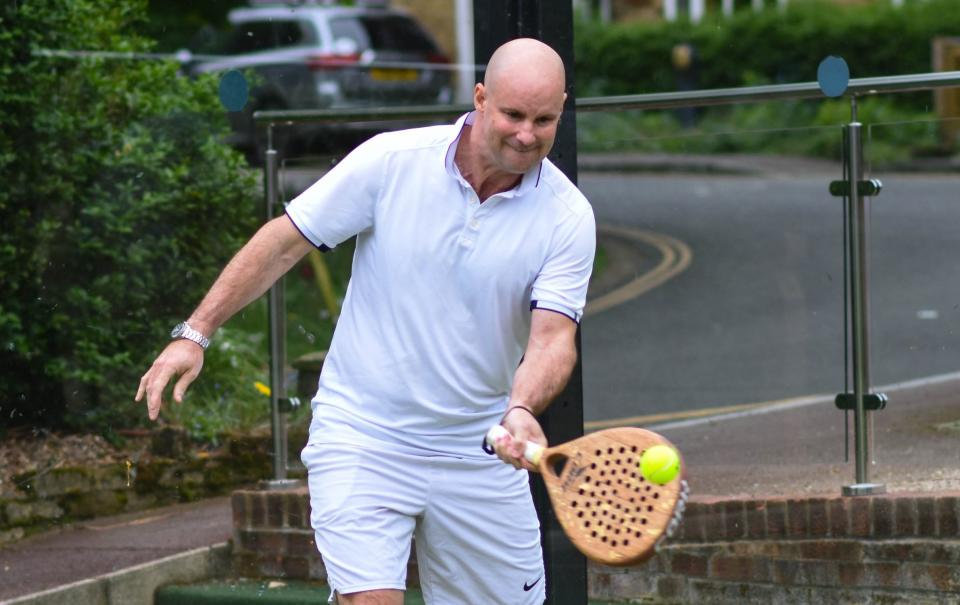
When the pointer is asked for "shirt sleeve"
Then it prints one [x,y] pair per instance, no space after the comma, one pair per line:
[342,203]
[561,285]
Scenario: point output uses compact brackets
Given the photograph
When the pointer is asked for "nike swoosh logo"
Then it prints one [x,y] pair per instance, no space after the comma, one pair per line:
[529,587]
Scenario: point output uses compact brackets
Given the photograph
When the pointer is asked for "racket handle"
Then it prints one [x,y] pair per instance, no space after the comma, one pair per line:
[532,451]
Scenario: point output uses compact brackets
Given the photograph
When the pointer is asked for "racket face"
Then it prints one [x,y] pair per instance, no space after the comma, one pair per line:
[607,509]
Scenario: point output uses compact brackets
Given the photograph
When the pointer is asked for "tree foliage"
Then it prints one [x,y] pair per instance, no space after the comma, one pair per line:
[119,205]
[771,46]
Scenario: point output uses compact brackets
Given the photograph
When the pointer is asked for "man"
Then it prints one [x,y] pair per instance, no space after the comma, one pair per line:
[470,275]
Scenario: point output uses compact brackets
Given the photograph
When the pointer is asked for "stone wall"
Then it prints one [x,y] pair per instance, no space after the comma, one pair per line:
[169,473]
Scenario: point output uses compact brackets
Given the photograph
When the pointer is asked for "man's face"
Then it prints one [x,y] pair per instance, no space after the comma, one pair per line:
[519,121]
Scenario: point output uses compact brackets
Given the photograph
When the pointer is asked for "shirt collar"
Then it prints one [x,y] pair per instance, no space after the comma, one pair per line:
[530,180]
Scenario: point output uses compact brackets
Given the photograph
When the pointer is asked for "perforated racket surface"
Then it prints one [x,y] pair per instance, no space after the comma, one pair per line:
[605,506]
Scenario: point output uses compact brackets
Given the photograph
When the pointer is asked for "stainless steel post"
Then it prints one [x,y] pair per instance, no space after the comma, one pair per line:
[276,311]
[857,241]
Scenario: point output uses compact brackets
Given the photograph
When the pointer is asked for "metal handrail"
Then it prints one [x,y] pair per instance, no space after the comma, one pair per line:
[721,96]
[664,100]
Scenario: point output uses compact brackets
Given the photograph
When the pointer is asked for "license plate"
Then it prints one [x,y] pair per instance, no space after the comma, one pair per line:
[394,75]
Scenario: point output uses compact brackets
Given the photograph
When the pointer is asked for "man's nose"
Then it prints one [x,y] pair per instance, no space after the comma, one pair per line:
[525,136]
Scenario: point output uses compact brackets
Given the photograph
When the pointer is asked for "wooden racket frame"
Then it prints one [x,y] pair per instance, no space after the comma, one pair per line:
[608,510]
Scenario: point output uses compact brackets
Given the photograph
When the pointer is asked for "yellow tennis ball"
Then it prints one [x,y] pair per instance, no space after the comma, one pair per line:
[660,464]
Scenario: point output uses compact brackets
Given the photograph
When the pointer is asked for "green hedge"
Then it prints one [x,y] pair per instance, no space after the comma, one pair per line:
[119,205]
[771,46]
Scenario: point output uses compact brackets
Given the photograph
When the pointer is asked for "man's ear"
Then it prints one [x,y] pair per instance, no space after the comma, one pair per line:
[479,96]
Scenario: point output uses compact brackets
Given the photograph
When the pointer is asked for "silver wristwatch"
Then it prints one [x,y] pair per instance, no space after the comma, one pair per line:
[183,330]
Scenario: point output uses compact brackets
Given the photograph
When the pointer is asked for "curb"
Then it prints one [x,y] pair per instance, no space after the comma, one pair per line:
[136,585]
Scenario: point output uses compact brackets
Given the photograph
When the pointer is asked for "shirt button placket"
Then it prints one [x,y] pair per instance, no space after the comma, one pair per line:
[469,232]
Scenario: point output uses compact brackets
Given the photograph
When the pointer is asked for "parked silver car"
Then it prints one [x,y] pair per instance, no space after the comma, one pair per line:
[319,55]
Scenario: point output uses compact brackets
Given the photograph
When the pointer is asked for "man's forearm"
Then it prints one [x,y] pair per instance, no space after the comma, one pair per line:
[546,367]
[269,254]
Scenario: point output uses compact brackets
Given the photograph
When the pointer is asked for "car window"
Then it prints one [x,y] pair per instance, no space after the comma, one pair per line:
[383,32]
[292,33]
[251,37]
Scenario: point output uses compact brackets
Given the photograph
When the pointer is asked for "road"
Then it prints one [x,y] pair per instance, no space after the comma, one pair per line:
[757,314]
[739,285]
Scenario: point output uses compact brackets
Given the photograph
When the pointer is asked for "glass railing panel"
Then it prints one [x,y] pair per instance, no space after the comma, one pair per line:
[716,313]
[913,284]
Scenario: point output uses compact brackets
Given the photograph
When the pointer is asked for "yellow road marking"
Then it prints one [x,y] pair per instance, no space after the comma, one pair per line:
[676,256]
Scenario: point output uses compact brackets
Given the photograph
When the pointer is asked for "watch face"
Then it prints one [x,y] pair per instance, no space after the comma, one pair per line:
[178,330]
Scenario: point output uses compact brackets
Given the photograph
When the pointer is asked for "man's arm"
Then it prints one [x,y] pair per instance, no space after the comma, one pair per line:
[270,253]
[548,361]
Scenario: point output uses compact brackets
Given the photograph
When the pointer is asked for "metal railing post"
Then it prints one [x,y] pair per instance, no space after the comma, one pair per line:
[276,312]
[859,308]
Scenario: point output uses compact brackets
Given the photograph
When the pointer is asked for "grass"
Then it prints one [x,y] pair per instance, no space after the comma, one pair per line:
[599,261]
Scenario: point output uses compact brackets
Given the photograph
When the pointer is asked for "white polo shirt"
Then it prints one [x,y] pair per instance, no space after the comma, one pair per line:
[437,312]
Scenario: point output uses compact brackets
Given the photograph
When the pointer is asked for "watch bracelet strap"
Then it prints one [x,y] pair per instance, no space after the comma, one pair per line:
[195,336]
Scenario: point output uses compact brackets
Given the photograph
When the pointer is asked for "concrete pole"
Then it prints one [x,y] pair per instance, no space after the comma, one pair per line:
[670,10]
[697,10]
[606,11]
[466,73]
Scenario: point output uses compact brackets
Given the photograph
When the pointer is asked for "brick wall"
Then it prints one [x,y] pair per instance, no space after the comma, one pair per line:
[272,537]
[874,517]
[899,548]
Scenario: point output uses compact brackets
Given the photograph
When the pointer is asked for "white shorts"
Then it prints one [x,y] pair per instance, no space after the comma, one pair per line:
[476,530]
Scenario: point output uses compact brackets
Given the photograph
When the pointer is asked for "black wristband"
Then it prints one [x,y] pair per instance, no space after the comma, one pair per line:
[519,407]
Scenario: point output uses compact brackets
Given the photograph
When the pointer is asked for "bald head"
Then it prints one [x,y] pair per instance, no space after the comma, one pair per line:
[518,108]
[524,58]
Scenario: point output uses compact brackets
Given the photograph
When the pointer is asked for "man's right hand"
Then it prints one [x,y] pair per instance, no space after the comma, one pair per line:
[181,358]
[269,254]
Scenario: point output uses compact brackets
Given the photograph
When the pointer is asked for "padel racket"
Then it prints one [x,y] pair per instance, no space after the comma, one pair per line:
[605,506]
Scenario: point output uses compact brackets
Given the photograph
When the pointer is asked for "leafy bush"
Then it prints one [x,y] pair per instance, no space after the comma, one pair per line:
[767,47]
[806,128]
[119,207]
[779,46]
